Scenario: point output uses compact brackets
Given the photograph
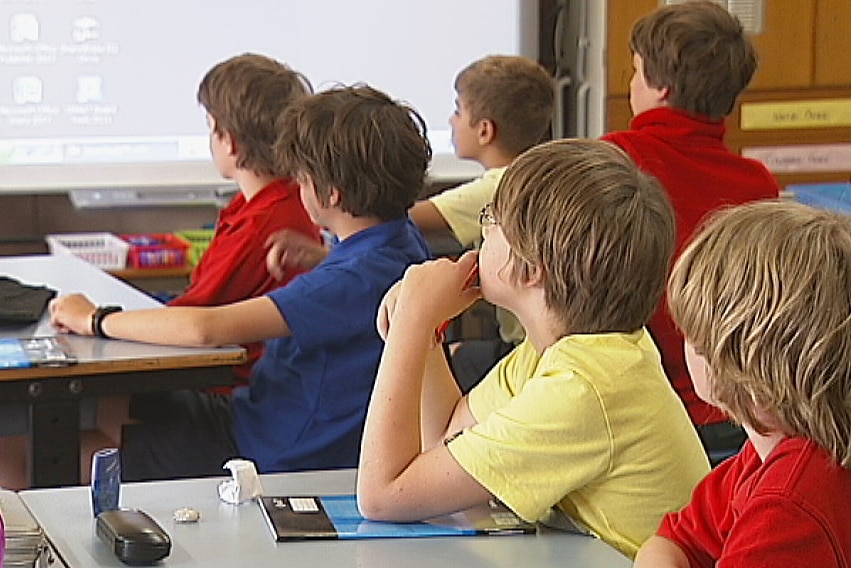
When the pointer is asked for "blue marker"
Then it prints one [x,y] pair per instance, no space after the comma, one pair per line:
[106,480]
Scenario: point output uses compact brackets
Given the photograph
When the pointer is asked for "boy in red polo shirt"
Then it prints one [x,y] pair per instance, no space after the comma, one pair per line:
[243,97]
[763,297]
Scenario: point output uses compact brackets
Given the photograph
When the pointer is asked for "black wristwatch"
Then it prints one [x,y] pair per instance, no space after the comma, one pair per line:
[97,319]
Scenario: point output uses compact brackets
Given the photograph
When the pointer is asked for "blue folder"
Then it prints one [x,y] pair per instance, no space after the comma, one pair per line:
[337,517]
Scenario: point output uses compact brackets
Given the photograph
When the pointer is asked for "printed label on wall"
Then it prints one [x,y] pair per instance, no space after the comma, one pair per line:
[817,113]
[802,158]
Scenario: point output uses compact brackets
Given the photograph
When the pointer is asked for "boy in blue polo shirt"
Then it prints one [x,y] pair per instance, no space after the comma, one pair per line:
[360,159]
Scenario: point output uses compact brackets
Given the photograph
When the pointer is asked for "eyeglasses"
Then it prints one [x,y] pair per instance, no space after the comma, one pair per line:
[487,217]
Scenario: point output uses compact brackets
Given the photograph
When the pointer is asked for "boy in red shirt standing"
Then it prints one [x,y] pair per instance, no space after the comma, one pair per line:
[692,61]
[763,297]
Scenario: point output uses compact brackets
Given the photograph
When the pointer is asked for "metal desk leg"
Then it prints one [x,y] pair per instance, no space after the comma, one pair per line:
[55,443]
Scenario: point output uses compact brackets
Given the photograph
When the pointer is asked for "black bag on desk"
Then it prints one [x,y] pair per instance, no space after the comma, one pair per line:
[21,303]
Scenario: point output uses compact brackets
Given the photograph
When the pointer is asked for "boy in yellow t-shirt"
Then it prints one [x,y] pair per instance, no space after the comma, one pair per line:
[579,418]
[504,107]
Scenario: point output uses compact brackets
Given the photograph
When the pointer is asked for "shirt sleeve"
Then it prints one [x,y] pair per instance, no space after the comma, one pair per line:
[723,526]
[234,266]
[774,530]
[532,445]
[699,528]
[460,206]
[328,306]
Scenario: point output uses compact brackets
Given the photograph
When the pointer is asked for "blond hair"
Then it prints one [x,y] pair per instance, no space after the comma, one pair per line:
[763,292]
[599,230]
[515,93]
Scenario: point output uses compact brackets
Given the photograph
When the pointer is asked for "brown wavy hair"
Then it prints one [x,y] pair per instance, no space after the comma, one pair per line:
[245,95]
[699,51]
[358,140]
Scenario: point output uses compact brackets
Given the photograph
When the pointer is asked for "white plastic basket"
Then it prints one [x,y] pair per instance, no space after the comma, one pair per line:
[104,250]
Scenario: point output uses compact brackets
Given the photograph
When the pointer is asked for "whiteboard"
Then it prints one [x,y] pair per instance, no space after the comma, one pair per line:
[101,93]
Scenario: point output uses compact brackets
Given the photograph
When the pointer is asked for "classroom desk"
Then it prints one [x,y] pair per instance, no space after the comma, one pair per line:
[229,535]
[105,366]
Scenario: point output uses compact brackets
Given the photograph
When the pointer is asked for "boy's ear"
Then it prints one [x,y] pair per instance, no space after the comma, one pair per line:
[536,277]
[229,142]
[335,198]
[486,132]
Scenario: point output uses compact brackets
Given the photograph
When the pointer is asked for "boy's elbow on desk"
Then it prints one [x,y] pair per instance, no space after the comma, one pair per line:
[375,502]
[373,507]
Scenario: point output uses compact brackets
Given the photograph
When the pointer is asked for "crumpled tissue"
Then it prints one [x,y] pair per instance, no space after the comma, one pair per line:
[244,485]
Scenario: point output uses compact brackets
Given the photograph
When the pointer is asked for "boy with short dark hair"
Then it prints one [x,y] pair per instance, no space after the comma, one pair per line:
[360,159]
[763,297]
[580,418]
[243,97]
[692,60]
[504,107]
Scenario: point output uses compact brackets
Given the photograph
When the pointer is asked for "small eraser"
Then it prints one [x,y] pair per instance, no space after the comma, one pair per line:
[187,515]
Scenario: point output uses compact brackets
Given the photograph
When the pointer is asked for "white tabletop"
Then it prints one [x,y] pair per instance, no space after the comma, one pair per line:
[68,274]
[236,536]
[46,401]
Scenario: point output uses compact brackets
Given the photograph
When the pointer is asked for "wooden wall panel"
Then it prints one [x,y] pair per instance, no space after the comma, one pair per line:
[621,15]
[737,138]
[618,113]
[833,45]
[786,47]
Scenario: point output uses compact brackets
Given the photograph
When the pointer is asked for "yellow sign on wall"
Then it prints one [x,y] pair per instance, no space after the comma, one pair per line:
[816,113]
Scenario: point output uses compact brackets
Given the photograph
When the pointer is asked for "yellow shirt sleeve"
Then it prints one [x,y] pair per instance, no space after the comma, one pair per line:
[460,206]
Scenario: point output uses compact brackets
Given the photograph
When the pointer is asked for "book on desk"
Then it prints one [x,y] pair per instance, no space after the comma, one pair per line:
[334,517]
[24,352]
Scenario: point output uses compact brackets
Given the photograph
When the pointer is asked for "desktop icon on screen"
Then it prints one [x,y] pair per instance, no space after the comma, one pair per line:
[27,89]
[23,28]
[89,89]
[85,29]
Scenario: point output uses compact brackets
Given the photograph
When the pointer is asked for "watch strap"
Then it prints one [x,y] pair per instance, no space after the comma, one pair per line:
[98,316]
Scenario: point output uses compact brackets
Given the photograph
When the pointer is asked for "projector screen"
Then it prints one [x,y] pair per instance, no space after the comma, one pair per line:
[101,93]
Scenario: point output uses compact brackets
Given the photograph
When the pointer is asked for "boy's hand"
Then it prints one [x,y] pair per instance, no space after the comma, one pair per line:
[72,314]
[431,292]
[386,309]
[291,249]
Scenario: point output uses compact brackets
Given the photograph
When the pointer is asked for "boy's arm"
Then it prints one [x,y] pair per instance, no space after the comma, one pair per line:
[406,473]
[234,267]
[252,320]
[660,552]
[429,220]
[444,410]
